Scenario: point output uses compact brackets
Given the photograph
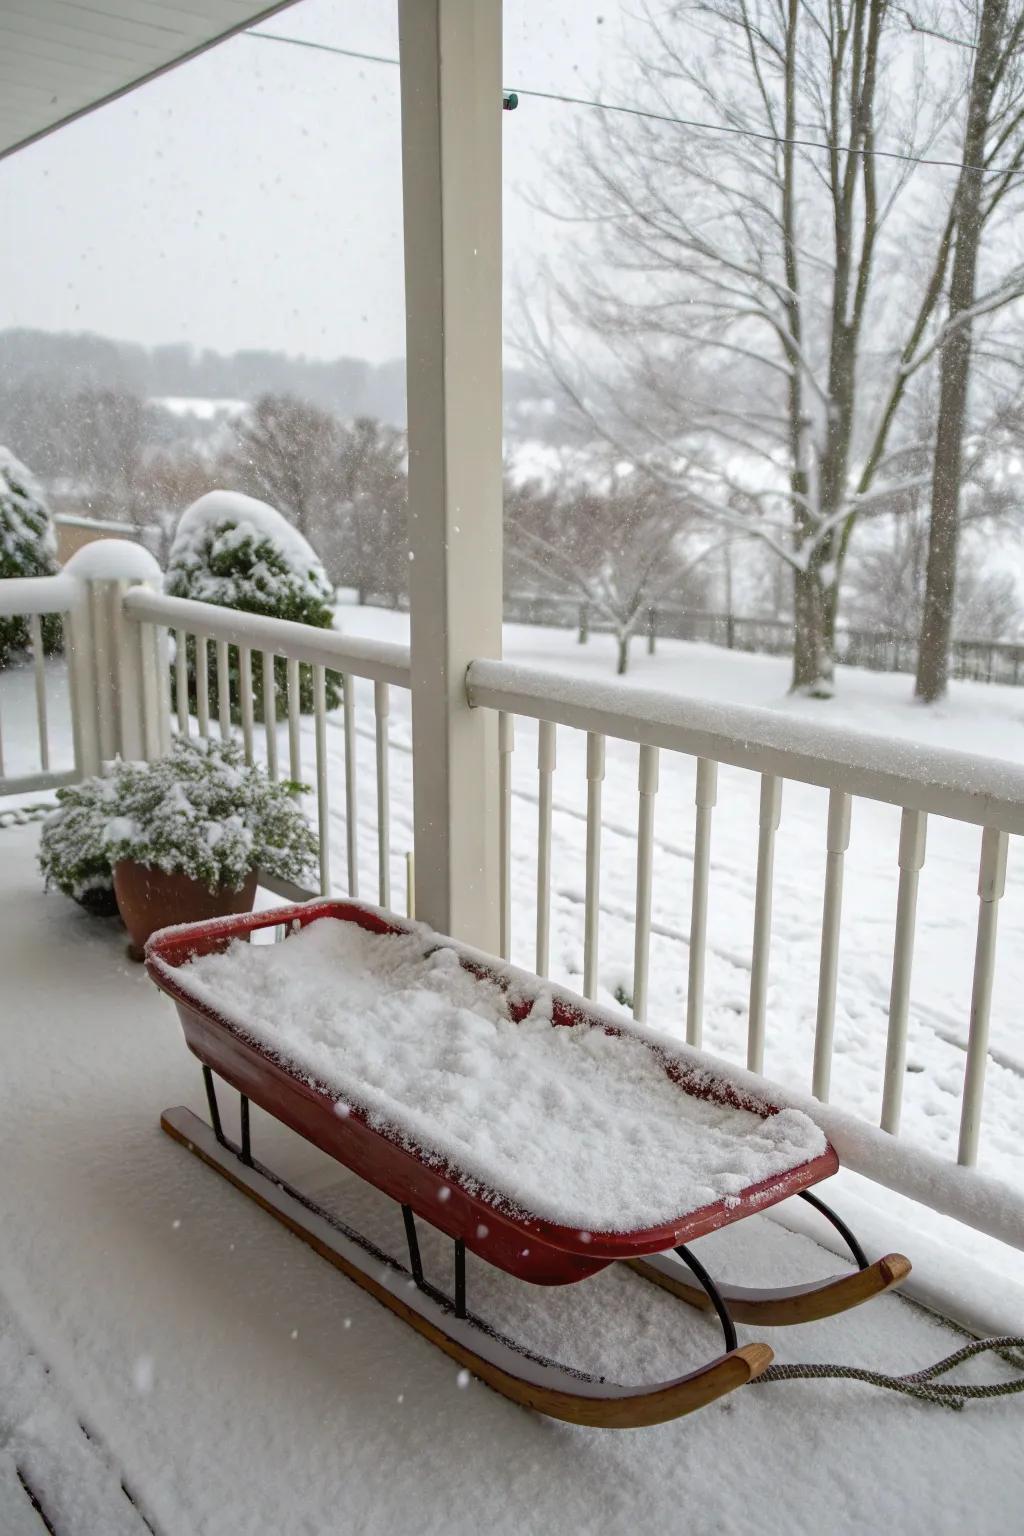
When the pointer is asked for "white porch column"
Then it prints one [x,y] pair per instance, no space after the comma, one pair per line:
[114,664]
[451,168]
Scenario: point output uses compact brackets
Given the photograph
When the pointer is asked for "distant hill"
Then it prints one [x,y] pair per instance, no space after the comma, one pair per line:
[349,386]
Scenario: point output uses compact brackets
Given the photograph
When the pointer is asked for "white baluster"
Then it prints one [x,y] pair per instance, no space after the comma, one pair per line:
[506,746]
[913,829]
[648,788]
[163,674]
[322,807]
[150,654]
[381,711]
[246,699]
[181,679]
[351,799]
[223,691]
[546,740]
[410,884]
[35,630]
[294,720]
[991,885]
[591,910]
[837,842]
[706,795]
[768,824]
[270,712]
[202,686]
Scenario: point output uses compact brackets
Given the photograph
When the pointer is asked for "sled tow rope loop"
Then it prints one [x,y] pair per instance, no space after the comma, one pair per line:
[921,1384]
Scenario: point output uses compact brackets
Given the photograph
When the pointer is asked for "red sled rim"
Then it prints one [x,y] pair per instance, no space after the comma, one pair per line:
[517,1242]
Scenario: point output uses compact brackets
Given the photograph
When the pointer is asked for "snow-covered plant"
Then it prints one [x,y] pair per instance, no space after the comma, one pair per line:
[237,552]
[73,852]
[201,811]
[27,548]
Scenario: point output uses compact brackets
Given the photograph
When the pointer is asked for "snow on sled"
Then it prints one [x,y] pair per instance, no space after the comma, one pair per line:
[547,1136]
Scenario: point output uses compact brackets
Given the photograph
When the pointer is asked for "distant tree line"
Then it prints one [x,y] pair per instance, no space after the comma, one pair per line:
[588,527]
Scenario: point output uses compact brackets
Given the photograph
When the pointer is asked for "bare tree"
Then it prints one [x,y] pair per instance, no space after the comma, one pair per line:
[992,138]
[616,546]
[109,433]
[287,452]
[374,547]
[766,287]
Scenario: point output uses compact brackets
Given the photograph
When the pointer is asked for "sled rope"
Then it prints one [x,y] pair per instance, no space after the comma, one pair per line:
[920,1384]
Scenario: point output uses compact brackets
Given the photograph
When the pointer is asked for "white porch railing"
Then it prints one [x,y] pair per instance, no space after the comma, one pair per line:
[236,636]
[118,645]
[920,780]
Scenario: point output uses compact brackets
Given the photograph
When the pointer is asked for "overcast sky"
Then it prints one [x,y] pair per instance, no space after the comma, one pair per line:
[252,197]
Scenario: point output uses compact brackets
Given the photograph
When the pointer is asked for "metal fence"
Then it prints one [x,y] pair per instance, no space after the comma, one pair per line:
[985,661]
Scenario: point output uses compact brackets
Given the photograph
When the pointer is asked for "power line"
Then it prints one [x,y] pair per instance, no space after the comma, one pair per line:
[661,117]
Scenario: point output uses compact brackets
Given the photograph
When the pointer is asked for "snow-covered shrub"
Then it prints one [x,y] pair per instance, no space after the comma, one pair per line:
[201,811]
[73,853]
[237,552]
[27,548]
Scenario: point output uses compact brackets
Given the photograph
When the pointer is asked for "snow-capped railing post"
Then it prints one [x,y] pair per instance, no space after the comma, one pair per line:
[119,669]
[451,164]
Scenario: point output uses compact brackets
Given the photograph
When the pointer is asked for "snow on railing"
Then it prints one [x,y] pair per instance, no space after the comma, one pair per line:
[922,781]
[324,653]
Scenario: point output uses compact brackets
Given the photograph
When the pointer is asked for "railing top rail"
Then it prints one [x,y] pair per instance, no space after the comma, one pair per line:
[985,791]
[380,660]
[23,595]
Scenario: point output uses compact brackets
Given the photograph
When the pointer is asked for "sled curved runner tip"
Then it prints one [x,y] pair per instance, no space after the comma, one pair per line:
[522,1377]
[782,1306]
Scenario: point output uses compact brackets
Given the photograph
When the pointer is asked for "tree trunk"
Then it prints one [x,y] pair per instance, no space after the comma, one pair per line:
[623,661]
[812,655]
[955,371]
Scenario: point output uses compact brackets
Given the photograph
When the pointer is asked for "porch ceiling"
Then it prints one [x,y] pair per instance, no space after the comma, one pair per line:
[61,58]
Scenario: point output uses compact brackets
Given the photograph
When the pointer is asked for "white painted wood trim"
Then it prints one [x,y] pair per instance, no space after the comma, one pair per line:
[451,164]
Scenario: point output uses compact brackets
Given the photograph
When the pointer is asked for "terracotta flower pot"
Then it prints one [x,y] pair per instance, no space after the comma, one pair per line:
[148,898]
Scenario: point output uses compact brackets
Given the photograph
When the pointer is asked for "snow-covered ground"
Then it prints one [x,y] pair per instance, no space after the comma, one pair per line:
[238,1386]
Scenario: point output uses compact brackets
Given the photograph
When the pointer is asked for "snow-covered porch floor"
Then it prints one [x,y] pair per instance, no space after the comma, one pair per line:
[234,1383]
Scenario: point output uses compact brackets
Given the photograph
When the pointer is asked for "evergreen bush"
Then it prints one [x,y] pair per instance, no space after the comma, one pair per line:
[237,552]
[201,810]
[28,547]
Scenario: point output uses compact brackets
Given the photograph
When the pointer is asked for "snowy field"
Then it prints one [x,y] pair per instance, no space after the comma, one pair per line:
[160,1334]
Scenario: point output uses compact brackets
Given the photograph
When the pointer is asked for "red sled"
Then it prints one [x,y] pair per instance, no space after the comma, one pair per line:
[523,1245]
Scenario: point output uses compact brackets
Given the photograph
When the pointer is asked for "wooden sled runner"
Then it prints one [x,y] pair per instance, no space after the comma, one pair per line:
[525,1246]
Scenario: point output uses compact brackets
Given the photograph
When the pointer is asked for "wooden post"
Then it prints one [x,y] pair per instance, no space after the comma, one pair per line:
[451,166]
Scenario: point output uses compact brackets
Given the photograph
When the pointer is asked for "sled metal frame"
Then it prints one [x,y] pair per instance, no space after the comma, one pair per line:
[528,1378]
[518,1373]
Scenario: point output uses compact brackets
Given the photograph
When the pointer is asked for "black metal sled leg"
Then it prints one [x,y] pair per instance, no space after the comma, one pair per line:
[415,1262]
[243,1111]
[860,1257]
[460,1278]
[211,1099]
[714,1295]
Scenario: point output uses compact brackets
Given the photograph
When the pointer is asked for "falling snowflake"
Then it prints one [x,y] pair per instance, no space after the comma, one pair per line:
[144,1374]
